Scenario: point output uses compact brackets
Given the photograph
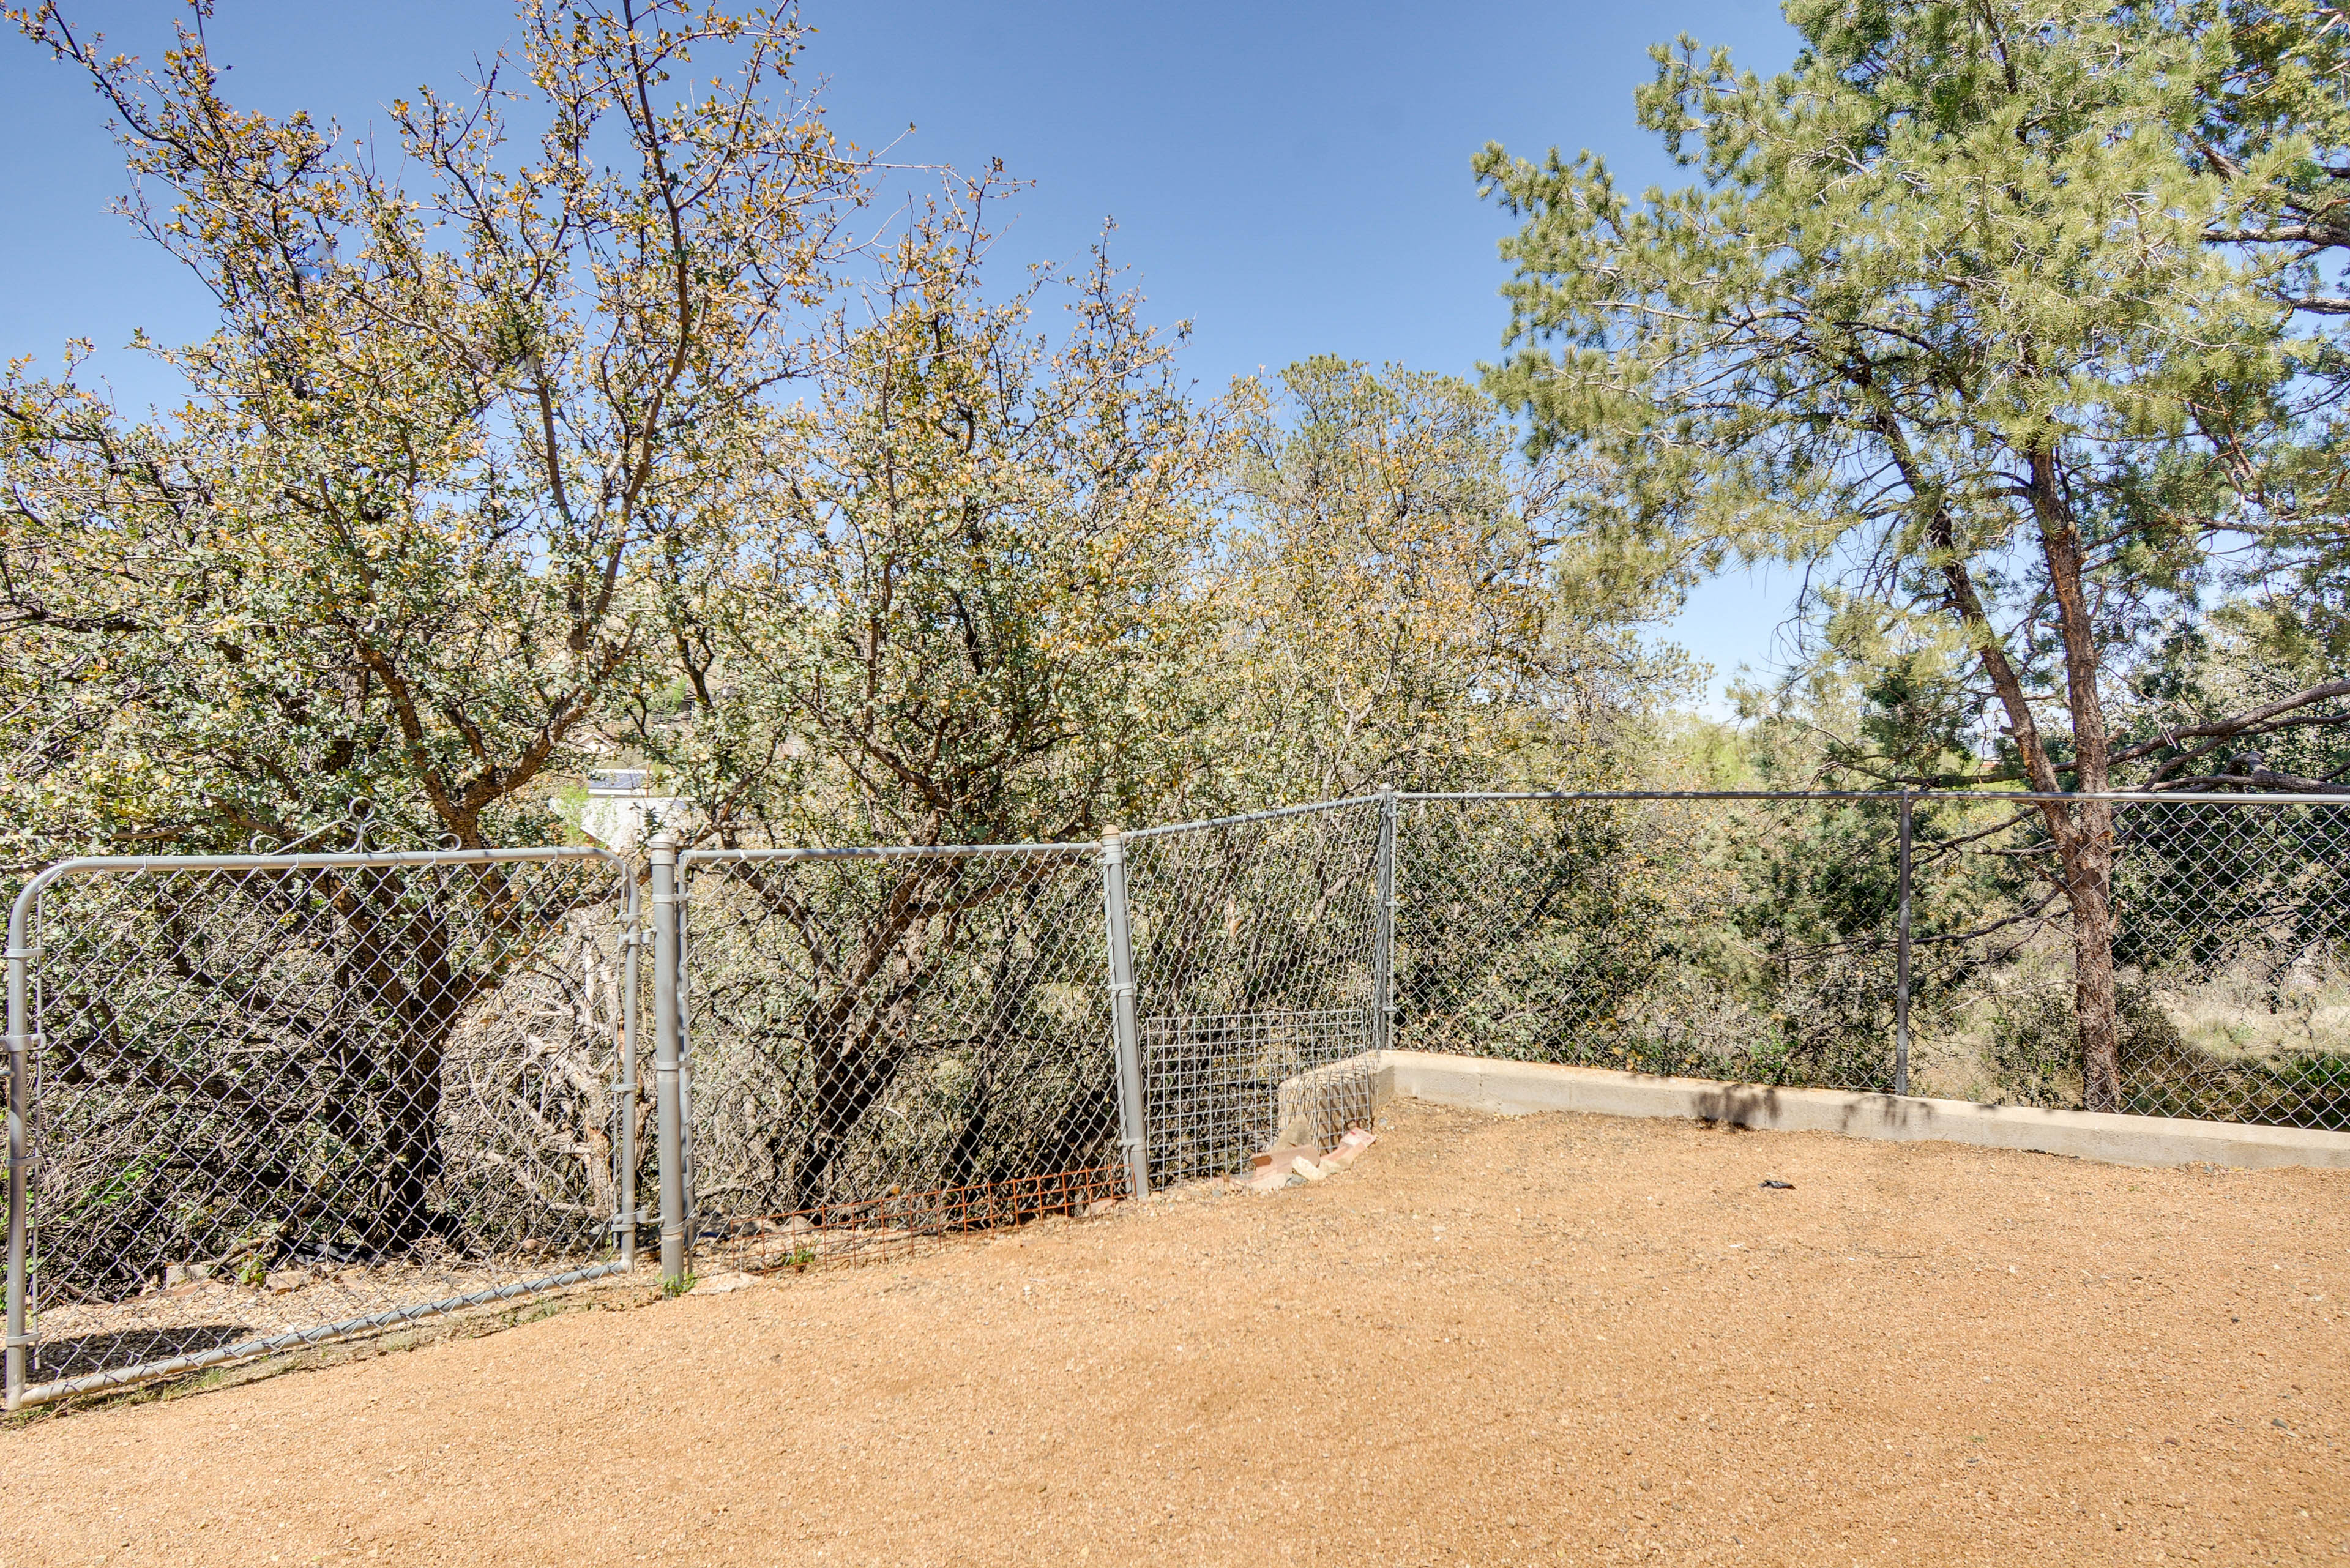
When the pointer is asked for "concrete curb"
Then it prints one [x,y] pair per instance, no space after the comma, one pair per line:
[1519,1089]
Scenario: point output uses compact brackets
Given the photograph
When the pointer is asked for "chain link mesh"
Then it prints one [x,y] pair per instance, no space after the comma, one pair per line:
[1757,941]
[888,1046]
[1254,951]
[2234,926]
[1654,936]
[278,1100]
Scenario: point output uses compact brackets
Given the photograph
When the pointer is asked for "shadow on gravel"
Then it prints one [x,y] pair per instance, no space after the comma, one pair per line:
[105,1352]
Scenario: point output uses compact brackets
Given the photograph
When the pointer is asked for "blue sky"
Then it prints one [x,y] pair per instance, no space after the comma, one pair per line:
[1292,178]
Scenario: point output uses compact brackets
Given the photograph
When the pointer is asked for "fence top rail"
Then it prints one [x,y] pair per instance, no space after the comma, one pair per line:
[1248,816]
[879,852]
[2125,797]
[20,912]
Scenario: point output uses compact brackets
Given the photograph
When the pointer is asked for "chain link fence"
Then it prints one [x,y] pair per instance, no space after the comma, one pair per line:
[1762,938]
[2232,929]
[1654,935]
[274,1100]
[264,1100]
[883,1046]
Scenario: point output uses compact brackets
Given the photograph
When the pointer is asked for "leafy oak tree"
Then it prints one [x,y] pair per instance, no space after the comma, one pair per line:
[464,384]
[959,576]
[1401,598]
[393,546]
[956,604]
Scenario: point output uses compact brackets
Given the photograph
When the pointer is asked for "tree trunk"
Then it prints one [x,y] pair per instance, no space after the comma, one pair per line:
[856,1038]
[417,998]
[2085,843]
[412,980]
[2088,888]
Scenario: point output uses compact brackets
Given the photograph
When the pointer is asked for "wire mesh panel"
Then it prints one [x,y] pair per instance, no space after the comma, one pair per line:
[2232,929]
[1256,949]
[884,1045]
[281,1098]
[1751,940]
[2225,929]
[275,1100]
[1757,939]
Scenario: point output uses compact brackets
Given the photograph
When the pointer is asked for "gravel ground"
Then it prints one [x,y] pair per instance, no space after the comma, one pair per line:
[1552,1339]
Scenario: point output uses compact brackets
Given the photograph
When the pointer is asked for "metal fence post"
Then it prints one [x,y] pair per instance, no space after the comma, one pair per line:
[1131,1134]
[1901,966]
[686,1173]
[1383,1007]
[670,1129]
[20,1045]
[624,1093]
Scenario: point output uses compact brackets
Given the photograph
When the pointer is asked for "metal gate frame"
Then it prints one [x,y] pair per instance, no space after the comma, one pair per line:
[673,871]
[1221,1077]
[24,953]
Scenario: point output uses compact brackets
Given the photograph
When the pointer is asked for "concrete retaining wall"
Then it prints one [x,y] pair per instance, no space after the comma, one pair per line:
[1517,1088]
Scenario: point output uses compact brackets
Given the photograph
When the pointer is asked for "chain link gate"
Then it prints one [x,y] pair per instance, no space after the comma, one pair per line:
[1259,956]
[265,1101]
[881,1045]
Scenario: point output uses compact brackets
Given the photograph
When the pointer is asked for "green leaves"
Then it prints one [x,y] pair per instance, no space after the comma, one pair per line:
[1398,599]
[396,543]
[1964,318]
[965,613]
[1941,294]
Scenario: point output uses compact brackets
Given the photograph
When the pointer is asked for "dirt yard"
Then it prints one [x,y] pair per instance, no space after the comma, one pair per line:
[1555,1339]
